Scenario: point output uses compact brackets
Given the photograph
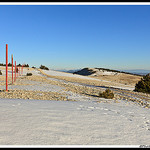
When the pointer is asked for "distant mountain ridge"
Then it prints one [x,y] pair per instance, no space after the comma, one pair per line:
[138,71]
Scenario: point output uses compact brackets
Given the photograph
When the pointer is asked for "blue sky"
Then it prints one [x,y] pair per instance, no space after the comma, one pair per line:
[77,36]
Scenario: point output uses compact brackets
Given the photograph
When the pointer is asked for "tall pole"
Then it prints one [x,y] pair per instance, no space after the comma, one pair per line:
[19,70]
[6,67]
[12,67]
[22,69]
[15,71]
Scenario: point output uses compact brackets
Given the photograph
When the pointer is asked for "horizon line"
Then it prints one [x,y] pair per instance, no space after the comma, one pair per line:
[74,3]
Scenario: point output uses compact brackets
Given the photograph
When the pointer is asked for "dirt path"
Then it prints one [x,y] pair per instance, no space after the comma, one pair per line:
[44,86]
[41,110]
[92,88]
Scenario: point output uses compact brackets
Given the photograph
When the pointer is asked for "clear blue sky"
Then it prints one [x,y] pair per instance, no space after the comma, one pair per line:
[77,36]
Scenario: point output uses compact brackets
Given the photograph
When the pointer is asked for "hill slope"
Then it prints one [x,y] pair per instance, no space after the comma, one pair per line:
[110,75]
[96,71]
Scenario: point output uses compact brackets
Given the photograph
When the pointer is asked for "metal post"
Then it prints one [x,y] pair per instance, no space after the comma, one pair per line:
[19,70]
[22,69]
[6,67]
[12,67]
[15,71]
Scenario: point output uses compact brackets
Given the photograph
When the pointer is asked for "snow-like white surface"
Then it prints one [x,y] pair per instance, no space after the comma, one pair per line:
[103,72]
[58,73]
[80,122]
[25,71]
[35,86]
[41,122]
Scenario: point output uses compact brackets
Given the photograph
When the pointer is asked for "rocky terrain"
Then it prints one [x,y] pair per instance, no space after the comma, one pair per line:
[55,85]
[70,104]
[110,75]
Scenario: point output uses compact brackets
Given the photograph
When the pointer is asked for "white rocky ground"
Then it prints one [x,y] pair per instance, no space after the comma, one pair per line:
[37,122]
[81,122]
[58,73]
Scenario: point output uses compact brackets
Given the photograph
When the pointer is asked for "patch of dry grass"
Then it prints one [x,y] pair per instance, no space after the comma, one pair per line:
[38,95]
[122,78]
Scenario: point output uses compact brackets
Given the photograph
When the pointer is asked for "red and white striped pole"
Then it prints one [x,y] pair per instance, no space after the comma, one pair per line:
[6,67]
[12,67]
[15,71]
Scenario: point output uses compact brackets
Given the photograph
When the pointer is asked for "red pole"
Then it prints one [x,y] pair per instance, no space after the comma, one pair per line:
[12,68]
[15,71]
[18,71]
[21,69]
[6,67]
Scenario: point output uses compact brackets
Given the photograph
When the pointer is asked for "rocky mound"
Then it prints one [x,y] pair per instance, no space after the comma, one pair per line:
[85,71]
[96,72]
